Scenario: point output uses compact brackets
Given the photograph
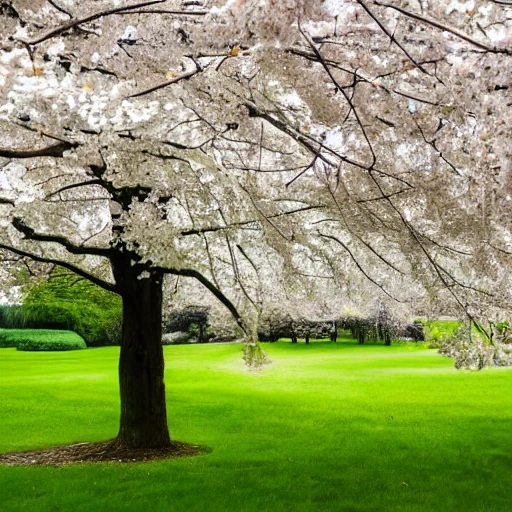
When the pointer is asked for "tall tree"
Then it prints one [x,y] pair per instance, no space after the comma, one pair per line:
[252,146]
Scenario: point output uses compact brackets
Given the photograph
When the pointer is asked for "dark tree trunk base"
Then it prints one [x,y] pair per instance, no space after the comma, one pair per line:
[106,451]
[143,423]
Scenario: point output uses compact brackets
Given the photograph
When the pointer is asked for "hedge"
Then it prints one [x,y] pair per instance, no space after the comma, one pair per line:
[41,339]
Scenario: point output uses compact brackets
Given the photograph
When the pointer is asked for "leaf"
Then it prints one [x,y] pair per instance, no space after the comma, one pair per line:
[233,52]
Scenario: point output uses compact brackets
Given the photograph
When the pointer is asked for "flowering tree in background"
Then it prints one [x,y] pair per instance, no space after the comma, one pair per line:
[262,148]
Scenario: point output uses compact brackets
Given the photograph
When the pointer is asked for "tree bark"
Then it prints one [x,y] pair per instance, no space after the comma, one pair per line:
[201,336]
[334,332]
[143,422]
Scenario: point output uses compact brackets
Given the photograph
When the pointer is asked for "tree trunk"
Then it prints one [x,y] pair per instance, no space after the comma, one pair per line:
[143,421]
[334,332]
[387,337]
[201,336]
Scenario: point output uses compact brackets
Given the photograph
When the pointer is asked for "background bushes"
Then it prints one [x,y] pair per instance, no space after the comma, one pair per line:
[66,301]
[438,331]
[41,339]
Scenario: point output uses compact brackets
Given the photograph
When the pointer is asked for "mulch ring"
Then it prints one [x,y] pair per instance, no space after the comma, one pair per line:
[106,451]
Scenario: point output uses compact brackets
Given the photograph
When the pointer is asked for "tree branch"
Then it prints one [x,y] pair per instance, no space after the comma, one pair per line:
[30,234]
[75,22]
[374,17]
[75,185]
[212,229]
[184,76]
[60,8]
[358,265]
[434,23]
[338,87]
[82,273]
[314,146]
[165,11]
[55,150]
[212,288]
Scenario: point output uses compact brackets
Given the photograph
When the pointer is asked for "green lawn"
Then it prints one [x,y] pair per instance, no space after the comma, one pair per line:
[326,427]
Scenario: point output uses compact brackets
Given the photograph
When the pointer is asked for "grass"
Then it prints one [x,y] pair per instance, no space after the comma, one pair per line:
[326,427]
[41,339]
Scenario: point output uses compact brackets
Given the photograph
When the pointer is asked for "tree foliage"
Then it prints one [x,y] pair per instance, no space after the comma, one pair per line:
[82,306]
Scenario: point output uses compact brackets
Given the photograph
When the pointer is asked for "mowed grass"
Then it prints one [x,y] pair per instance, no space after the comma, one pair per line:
[325,427]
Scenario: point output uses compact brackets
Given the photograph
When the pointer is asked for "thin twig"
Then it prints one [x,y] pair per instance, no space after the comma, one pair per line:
[374,17]
[446,28]
[75,22]
[60,8]
[184,76]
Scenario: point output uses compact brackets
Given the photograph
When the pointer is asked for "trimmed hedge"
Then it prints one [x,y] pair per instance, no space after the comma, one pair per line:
[41,340]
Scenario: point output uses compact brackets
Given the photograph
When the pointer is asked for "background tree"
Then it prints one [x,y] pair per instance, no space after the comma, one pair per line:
[251,145]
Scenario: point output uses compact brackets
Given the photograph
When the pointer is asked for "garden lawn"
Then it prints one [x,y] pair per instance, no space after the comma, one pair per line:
[325,427]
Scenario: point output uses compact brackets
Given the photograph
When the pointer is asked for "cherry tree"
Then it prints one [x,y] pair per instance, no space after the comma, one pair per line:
[261,148]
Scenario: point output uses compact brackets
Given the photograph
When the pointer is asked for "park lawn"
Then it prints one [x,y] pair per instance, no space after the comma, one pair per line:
[327,427]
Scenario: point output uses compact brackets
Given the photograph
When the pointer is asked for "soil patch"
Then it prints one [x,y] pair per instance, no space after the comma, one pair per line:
[106,451]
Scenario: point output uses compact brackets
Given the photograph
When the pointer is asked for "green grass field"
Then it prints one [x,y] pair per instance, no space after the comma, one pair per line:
[325,427]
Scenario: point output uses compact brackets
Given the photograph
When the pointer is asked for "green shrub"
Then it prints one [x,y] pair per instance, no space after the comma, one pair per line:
[438,331]
[6,340]
[65,301]
[41,339]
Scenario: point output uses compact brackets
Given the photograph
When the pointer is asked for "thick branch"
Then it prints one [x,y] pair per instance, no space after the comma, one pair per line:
[82,273]
[30,234]
[55,150]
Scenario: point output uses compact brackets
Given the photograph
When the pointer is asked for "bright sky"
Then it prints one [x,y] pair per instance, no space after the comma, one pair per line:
[3,180]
